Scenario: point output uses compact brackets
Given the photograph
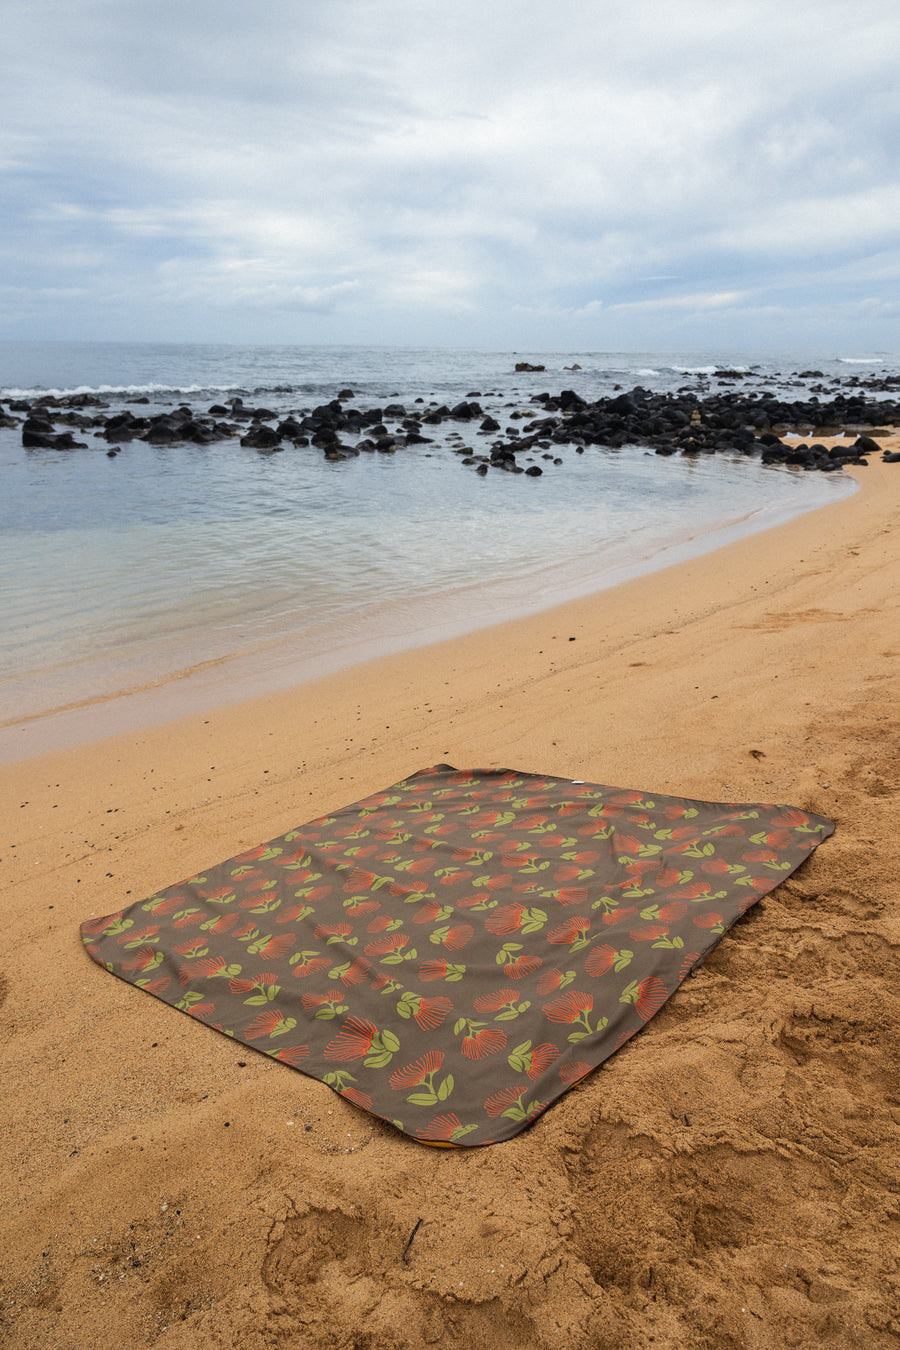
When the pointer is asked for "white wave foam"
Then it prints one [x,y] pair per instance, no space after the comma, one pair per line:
[116,389]
[860,360]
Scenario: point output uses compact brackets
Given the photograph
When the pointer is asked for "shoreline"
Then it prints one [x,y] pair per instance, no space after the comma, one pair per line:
[752,1127]
[271,665]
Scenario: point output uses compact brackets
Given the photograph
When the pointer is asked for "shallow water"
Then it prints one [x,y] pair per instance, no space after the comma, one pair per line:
[200,574]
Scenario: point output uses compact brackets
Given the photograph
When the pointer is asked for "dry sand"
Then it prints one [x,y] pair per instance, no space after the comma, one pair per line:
[729,1179]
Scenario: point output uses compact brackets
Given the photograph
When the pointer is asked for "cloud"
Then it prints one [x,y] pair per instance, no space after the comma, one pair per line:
[400,169]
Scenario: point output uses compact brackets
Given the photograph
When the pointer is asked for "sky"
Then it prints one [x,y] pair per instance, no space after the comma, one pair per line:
[587,174]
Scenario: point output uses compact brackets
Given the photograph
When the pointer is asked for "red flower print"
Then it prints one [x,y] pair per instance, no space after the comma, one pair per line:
[569,931]
[138,934]
[318,893]
[571,1073]
[354,1040]
[676,909]
[693,891]
[224,923]
[617,914]
[433,970]
[501,998]
[201,1010]
[263,1025]
[760,855]
[648,932]
[549,981]
[641,865]
[427,912]
[791,818]
[600,960]
[653,994]
[625,843]
[380,924]
[195,945]
[519,966]
[568,872]
[223,896]
[289,915]
[363,907]
[454,878]
[572,895]
[311,1001]
[542,1056]
[440,1130]
[458,937]
[158,987]
[200,969]
[358,880]
[569,1006]
[251,855]
[513,860]
[707,920]
[293,1054]
[714,866]
[277,946]
[392,942]
[432,1013]
[531,822]
[327,930]
[210,965]
[687,964]
[196,916]
[666,876]
[627,798]
[674,812]
[481,1044]
[471,900]
[141,960]
[357,972]
[304,968]
[506,919]
[501,1101]
[168,906]
[358,1098]
[399,889]
[774,838]
[416,1072]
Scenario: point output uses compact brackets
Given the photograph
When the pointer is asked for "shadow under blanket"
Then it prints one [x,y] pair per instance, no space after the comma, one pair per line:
[453,953]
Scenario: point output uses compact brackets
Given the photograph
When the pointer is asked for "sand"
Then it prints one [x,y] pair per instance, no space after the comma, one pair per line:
[729,1179]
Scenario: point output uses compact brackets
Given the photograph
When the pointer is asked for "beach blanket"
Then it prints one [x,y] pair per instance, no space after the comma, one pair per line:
[454,953]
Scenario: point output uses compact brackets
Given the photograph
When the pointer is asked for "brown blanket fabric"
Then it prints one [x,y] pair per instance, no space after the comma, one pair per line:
[455,952]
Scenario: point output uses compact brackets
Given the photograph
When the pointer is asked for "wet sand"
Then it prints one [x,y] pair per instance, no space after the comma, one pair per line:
[729,1179]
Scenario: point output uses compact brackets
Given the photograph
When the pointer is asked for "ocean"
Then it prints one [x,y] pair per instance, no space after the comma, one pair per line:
[173,578]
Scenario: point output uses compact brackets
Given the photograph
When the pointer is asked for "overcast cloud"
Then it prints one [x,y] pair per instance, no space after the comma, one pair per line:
[592,173]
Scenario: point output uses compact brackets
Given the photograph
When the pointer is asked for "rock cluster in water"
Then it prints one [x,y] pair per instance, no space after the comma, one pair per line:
[689,422]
